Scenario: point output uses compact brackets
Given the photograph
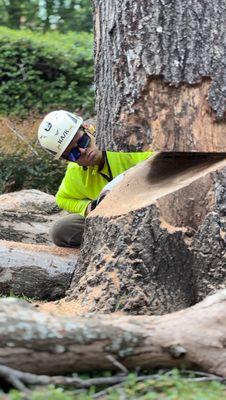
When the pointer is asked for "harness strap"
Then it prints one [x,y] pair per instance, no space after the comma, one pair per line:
[110,177]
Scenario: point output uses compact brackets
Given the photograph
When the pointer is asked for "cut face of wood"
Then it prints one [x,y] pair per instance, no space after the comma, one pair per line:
[162,176]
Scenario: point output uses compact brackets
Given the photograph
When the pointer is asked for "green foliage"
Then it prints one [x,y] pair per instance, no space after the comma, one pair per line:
[83,16]
[168,387]
[45,15]
[165,387]
[50,394]
[45,72]
[22,171]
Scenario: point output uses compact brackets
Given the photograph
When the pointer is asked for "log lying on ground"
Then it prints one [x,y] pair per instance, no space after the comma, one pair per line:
[156,243]
[36,271]
[42,343]
[26,216]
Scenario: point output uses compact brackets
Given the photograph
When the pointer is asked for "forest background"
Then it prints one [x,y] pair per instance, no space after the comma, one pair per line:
[46,63]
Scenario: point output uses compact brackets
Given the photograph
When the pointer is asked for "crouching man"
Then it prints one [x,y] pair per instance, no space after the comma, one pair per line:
[65,135]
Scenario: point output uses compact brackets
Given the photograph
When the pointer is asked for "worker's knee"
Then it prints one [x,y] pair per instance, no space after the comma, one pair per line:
[68,231]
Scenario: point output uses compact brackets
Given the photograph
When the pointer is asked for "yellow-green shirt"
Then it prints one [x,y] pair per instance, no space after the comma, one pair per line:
[80,186]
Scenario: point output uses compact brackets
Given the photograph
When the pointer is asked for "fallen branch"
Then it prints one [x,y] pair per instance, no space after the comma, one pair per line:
[188,338]
[19,379]
[23,381]
[117,364]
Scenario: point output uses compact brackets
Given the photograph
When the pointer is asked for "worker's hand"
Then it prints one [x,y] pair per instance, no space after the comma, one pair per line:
[94,203]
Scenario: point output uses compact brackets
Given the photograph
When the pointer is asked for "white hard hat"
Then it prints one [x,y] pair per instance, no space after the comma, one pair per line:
[57,130]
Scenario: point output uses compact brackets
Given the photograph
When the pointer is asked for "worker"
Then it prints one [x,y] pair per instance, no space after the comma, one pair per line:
[65,135]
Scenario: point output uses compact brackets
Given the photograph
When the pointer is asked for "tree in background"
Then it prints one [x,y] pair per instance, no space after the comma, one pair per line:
[17,14]
[46,15]
[76,16]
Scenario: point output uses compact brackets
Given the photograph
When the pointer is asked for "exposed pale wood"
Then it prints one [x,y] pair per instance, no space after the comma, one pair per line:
[179,118]
[40,343]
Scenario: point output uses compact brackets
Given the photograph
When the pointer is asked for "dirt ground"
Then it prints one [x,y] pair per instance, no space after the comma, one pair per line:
[63,307]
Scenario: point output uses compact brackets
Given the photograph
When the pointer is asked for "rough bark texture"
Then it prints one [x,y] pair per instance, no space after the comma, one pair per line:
[41,343]
[156,243]
[26,216]
[35,271]
[160,75]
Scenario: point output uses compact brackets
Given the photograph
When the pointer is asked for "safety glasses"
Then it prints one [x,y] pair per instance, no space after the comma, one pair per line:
[75,153]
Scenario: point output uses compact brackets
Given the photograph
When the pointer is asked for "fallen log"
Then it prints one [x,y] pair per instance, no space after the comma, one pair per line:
[36,271]
[26,216]
[36,342]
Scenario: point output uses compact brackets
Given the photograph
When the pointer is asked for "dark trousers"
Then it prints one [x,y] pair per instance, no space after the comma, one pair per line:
[68,231]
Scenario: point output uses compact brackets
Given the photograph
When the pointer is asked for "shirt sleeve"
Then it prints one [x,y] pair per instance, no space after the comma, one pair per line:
[71,205]
[141,156]
[70,196]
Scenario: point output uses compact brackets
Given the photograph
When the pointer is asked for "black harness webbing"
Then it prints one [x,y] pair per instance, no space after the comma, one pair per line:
[110,177]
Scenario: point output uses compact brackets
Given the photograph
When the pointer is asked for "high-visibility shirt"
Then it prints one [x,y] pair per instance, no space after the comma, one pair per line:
[82,185]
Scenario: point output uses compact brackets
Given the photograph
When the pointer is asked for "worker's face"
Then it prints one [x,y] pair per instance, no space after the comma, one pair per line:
[90,156]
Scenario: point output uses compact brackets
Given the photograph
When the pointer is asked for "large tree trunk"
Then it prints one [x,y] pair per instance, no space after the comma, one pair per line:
[160,75]
[41,343]
[156,243]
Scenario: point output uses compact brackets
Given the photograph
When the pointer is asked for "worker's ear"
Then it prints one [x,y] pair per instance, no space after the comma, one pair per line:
[90,128]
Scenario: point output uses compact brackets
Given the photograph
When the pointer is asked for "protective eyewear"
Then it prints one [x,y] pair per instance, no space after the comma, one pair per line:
[75,153]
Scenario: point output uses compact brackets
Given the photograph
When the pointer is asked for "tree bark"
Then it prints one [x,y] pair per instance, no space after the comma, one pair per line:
[160,75]
[194,337]
[27,215]
[35,271]
[156,243]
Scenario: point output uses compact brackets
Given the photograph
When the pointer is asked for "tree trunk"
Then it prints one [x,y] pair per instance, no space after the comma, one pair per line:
[14,11]
[160,75]
[35,271]
[192,337]
[49,12]
[156,243]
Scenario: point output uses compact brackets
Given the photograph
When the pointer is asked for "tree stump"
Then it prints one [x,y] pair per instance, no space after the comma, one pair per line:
[156,243]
